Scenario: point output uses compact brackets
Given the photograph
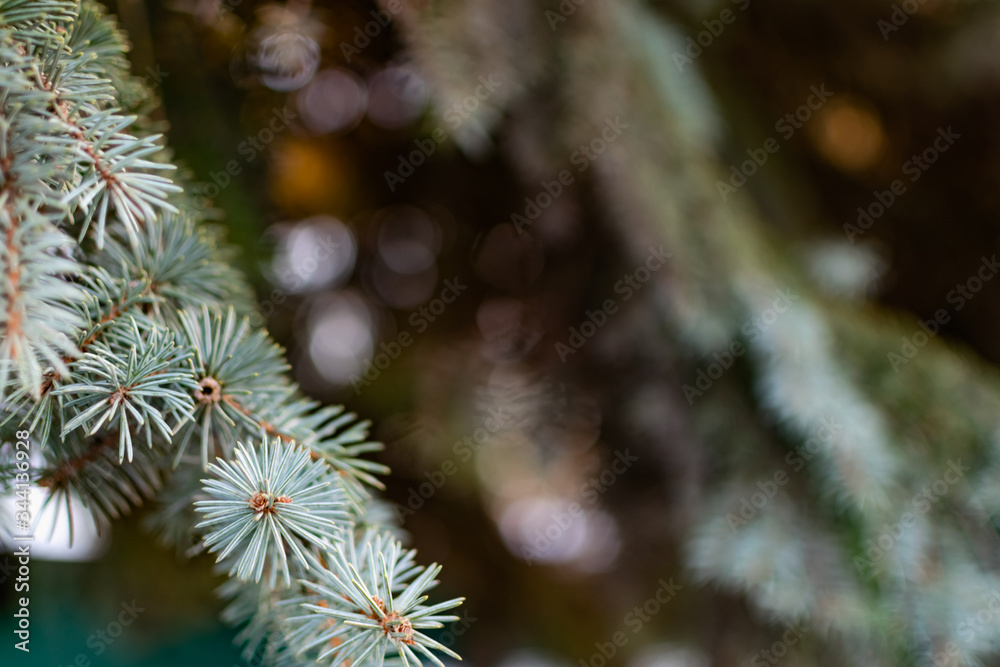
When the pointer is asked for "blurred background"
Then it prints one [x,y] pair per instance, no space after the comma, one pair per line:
[664,311]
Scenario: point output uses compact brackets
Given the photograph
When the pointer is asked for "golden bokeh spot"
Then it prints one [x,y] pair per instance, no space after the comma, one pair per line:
[848,133]
[305,176]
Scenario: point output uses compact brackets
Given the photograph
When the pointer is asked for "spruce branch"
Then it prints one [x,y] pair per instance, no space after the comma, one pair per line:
[35,316]
[37,319]
[173,517]
[141,388]
[368,604]
[272,497]
[91,470]
[112,172]
[185,264]
[238,371]
[106,299]
[122,317]
[32,14]
[103,300]
[334,436]
[261,611]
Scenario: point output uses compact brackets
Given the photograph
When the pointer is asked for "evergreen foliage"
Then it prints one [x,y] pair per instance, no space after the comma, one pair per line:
[848,549]
[125,338]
